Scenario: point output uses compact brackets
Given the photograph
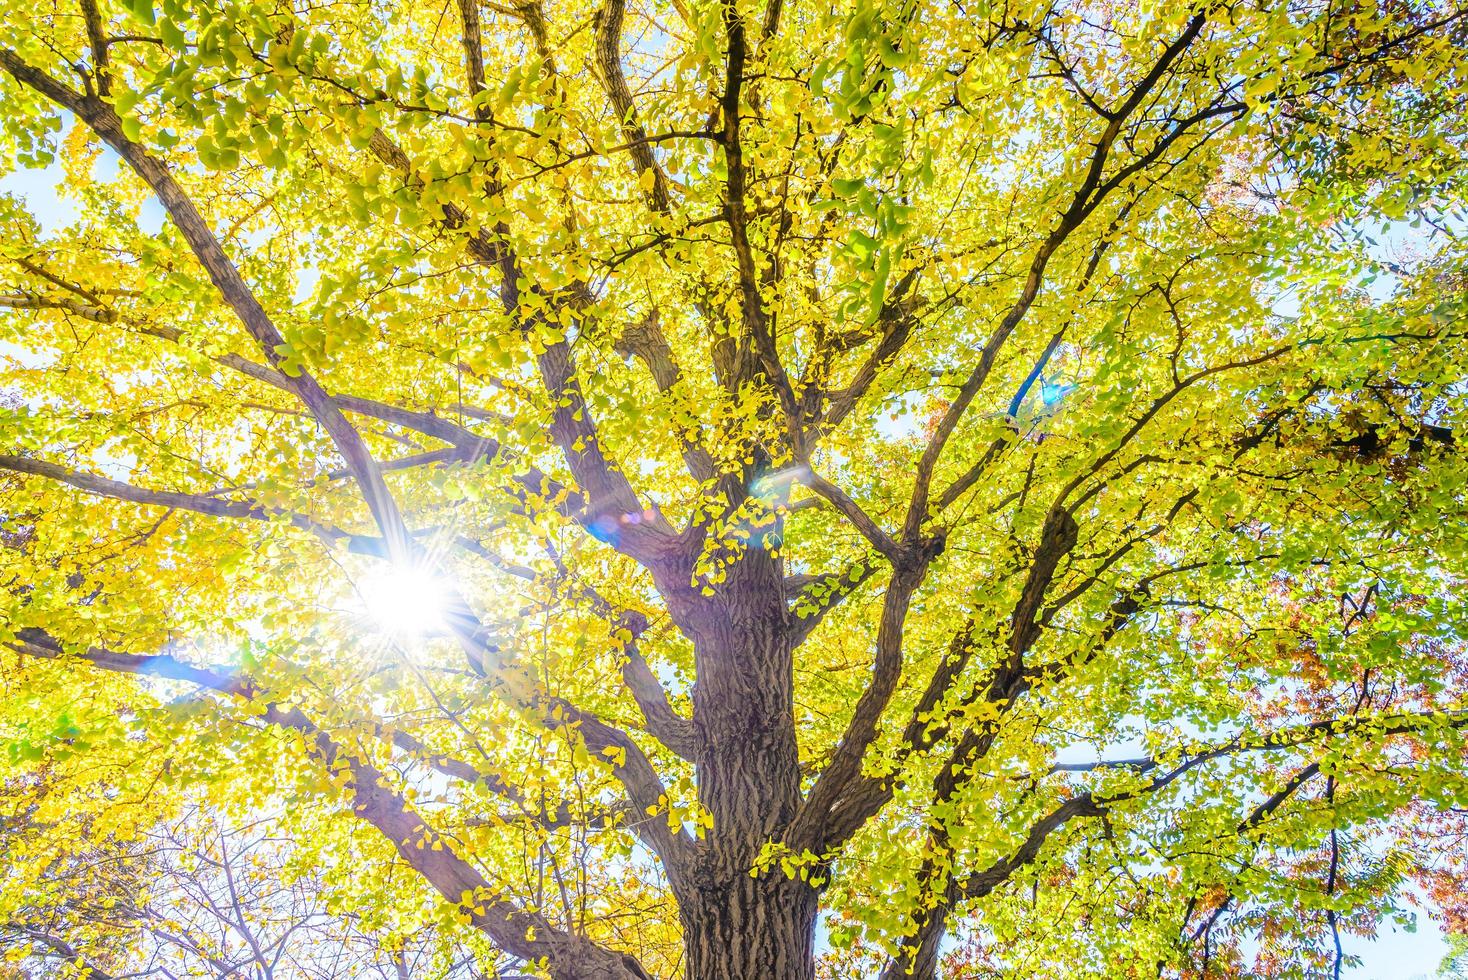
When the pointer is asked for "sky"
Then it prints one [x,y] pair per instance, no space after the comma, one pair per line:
[1395,954]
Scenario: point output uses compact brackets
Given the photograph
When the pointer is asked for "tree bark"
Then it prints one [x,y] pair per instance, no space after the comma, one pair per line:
[752,929]
[739,926]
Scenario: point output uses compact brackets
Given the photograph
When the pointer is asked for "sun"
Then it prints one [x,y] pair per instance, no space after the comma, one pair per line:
[405,600]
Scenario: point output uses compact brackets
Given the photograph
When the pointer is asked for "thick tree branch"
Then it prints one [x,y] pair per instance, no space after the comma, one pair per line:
[919,950]
[645,340]
[231,285]
[666,725]
[524,934]
[758,330]
[614,516]
[1086,198]
[815,598]
[197,503]
[609,63]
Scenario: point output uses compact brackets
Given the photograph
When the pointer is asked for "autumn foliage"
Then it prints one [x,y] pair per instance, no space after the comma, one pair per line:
[730,490]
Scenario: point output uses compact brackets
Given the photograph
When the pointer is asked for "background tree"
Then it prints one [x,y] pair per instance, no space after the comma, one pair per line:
[664,473]
[201,896]
[1453,966]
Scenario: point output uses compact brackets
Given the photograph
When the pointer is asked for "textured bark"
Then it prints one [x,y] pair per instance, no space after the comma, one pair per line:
[738,926]
[752,929]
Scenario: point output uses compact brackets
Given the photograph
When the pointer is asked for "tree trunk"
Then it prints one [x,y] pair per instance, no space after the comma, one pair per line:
[753,929]
[737,926]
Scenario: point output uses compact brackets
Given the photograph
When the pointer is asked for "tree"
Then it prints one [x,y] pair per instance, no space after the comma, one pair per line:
[201,896]
[1453,966]
[975,475]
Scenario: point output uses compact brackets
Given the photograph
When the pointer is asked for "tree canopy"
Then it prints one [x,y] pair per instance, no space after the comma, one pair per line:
[739,490]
